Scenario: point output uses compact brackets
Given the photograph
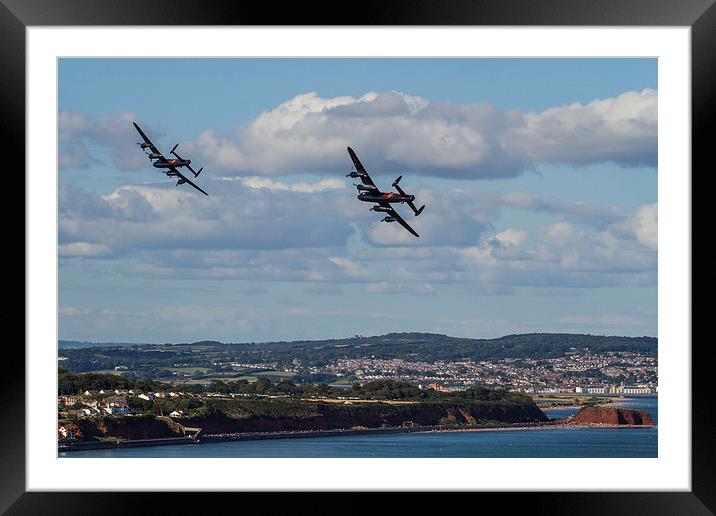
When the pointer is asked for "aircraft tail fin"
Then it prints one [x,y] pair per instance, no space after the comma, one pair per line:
[410,203]
[400,190]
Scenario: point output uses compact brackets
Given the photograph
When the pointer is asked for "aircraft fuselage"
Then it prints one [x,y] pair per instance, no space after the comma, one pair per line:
[384,197]
[172,163]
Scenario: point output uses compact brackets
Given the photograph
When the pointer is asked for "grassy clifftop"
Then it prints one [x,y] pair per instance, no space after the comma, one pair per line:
[257,416]
[271,415]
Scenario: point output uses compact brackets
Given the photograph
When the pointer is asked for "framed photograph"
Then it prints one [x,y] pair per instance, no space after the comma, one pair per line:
[426,249]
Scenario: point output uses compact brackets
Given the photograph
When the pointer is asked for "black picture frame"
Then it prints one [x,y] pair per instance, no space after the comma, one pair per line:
[16,15]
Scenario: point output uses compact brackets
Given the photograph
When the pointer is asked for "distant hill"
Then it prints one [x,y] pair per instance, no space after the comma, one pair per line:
[431,347]
[79,344]
[427,347]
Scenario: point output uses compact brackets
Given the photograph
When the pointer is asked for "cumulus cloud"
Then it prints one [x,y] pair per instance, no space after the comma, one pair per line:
[392,131]
[452,217]
[350,267]
[270,184]
[164,217]
[510,237]
[621,129]
[83,249]
[643,224]
[75,154]
[114,132]
[69,311]
[565,254]
[285,234]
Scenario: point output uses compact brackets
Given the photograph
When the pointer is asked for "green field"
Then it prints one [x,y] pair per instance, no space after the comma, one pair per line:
[344,381]
[189,370]
[276,374]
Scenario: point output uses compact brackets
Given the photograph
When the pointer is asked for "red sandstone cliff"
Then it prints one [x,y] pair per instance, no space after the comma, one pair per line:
[612,416]
[135,427]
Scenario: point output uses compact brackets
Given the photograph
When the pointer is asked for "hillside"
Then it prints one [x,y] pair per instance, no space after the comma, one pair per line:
[257,416]
[149,359]
[231,416]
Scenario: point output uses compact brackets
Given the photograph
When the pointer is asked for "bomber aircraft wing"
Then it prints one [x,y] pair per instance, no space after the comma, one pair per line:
[394,214]
[364,177]
[183,179]
[148,142]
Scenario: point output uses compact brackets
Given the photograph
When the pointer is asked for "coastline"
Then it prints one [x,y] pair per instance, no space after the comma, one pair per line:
[215,438]
[553,403]
[611,401]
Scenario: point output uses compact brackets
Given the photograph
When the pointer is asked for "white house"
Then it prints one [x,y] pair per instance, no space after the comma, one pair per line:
[65,433]
[115,405]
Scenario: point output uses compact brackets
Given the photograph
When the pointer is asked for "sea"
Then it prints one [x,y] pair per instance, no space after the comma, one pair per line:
[549,443]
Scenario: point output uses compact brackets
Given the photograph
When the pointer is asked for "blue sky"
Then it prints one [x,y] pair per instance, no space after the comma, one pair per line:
[539,177]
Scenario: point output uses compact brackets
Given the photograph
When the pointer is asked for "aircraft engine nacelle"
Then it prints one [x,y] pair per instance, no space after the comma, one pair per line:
[181,182]
[155,156]
[354,174]
[381,208]
[366,188]
[389,219]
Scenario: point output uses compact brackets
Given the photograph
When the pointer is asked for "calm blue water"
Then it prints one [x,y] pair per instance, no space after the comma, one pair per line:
[625,442]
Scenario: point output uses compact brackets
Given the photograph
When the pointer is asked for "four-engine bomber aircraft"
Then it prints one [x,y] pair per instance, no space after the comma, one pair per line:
[159,161]
[370,193]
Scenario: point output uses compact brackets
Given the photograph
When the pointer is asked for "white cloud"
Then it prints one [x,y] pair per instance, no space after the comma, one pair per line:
[76,155]
[561,234]
[511,237]
[563,254]
[392,131]
[270,184]
[350,267]
[274,234]
[71,124]
[644,224]
[83,249]
[621,129]
[69,311]
[477,256]
[113,131]
[233,217]
[451,217]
